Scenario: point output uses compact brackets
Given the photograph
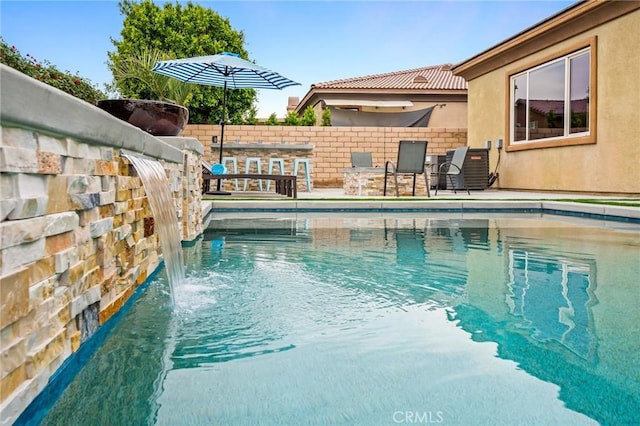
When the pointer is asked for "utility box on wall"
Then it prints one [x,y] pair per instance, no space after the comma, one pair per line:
[475,170]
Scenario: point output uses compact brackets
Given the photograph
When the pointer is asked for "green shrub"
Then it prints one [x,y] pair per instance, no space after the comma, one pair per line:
[309,117]
[326,117]
[272,120]
[45,72]
[292,119]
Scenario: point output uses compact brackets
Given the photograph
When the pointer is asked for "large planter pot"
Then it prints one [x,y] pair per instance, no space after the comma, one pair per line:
[155,117]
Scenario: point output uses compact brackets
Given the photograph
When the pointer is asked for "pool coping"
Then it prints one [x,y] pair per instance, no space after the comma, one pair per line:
[567,208]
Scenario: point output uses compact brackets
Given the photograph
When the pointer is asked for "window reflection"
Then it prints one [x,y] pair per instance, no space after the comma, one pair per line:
[579,81]
[546,101]
[552,298]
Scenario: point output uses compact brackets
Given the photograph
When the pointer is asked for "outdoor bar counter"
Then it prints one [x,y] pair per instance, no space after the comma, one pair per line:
[248,155]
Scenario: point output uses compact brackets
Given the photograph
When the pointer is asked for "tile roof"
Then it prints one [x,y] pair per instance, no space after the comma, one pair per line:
[436,77]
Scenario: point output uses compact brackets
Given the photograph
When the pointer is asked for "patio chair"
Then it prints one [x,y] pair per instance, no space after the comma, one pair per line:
[411,160]
[454,168]
[361,159]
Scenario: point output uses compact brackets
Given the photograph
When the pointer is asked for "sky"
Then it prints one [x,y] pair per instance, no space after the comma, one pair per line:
[307,41]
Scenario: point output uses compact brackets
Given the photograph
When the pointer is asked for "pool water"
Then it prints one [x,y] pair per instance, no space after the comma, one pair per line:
[369,320]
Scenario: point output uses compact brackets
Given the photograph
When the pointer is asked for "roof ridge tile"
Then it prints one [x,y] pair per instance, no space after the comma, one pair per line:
[437,76]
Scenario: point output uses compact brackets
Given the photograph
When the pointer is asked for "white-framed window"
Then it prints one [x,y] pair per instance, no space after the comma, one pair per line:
[552,101]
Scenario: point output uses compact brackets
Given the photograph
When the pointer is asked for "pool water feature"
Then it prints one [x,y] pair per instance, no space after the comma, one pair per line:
[156,185]
[370,320]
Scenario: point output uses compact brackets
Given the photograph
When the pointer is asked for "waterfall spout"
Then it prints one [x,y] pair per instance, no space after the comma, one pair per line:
[156,185]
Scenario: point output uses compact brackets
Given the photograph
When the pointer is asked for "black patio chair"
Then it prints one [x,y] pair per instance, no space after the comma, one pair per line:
[411,160]
[454,168]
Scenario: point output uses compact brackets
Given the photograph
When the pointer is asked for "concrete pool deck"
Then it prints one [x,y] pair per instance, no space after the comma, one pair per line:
[334,200]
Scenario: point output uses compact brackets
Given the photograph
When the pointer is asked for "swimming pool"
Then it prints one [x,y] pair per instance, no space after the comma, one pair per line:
[389,319]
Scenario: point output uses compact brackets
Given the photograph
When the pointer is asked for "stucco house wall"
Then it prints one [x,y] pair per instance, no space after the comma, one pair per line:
[452,114]
[607,165]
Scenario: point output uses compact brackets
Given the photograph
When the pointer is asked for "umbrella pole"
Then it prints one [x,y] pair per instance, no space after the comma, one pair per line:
[224,109]
[220,159]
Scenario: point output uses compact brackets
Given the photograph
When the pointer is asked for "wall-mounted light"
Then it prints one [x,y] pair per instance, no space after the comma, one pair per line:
[487,145]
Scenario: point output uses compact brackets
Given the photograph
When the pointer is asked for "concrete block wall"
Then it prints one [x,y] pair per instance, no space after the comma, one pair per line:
[332,146]
[77,234]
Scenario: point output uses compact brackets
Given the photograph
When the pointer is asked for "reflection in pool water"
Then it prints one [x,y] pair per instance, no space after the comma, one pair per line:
[363,320]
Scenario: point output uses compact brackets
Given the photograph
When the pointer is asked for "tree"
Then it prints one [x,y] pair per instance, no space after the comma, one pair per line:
[326,117]
[183,30]
[292,119]
[309,117]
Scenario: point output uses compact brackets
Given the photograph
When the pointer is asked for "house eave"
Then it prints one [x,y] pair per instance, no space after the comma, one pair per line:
[315,95]
[572,21]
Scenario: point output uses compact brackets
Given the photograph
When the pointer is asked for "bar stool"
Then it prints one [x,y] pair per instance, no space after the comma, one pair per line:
[247,167]
[296,163]
[272,163]
[234,162]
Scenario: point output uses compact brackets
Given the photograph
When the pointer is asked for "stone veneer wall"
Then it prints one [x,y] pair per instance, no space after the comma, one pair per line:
[369,182]
[188,187]
[332,146]
[76,233]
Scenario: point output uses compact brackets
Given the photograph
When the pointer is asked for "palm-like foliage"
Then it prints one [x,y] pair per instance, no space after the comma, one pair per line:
[139,66]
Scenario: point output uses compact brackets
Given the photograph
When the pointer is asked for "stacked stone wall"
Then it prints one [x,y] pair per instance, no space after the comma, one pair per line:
[191,211]
[77,234]
[77,237]
[371,182]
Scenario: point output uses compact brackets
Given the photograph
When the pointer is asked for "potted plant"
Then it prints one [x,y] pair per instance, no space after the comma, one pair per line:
[164,114]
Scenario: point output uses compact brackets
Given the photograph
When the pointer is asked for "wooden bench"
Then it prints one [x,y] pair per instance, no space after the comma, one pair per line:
[285,184]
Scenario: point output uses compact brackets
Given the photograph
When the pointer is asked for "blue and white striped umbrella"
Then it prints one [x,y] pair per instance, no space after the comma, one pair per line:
[223,70]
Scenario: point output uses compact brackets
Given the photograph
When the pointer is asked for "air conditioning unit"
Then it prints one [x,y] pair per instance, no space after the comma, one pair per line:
[475,170]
